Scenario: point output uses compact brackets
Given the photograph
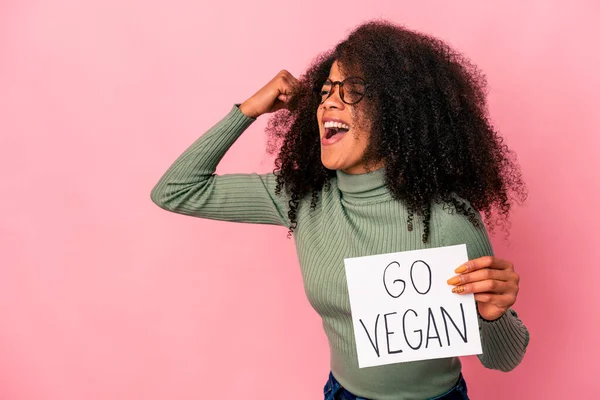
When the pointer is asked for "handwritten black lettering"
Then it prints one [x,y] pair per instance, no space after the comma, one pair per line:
[412,279]
[385,274]
[431,319]
[464,321]
[376,344]
[420,331]
[388,333]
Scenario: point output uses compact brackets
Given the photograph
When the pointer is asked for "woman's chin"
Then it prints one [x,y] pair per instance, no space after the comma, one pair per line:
[348,168]
[330,164]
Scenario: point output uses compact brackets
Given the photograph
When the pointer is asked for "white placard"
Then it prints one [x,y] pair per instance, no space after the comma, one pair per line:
[404,310]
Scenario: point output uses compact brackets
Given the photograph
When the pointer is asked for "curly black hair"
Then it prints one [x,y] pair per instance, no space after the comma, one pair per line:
[430,126]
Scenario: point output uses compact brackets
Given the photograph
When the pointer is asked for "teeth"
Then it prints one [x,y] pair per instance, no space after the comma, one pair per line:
[333,124]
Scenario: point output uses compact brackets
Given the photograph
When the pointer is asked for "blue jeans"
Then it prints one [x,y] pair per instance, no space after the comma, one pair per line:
[334,391]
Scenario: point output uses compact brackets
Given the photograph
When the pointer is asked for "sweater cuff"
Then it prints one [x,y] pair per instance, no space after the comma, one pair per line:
[236,110]
[504,341]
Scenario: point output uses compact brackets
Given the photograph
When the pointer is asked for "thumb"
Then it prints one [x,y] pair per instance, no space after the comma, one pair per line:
[283,97]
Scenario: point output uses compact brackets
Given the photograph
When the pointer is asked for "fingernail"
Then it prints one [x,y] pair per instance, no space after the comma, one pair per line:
[454,281]
[461,269]
[458,289]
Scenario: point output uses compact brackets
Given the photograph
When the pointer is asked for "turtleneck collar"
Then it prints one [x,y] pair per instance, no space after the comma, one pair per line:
[368,186]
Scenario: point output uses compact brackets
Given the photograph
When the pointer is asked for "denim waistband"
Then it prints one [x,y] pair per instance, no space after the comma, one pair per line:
[334,391]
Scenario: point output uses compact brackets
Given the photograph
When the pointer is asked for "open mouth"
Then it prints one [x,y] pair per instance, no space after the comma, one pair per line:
[334,130]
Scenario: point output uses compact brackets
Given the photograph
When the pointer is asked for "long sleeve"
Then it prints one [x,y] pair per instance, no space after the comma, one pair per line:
[191,187]
[504,341]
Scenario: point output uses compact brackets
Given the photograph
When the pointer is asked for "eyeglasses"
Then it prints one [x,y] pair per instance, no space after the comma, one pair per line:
[352,89]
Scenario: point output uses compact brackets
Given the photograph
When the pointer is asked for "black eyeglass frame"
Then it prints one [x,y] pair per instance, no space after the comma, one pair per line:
[319,88]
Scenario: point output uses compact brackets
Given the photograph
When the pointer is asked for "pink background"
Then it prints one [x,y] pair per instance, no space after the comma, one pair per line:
[105,296]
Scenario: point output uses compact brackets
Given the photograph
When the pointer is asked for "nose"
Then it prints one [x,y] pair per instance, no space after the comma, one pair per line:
[334,100]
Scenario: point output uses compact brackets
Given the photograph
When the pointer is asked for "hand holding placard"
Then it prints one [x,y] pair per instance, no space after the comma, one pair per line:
[493,281]
[403,311]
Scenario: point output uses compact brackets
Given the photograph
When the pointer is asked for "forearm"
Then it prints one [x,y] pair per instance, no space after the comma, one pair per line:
[504,341]
[190,186]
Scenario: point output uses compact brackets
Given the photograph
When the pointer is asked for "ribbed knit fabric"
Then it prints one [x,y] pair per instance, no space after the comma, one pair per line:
[356,216]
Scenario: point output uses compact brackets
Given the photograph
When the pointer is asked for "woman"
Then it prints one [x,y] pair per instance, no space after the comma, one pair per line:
[393,151]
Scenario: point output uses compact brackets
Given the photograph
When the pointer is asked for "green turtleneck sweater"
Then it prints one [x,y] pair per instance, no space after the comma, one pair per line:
[356,216]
